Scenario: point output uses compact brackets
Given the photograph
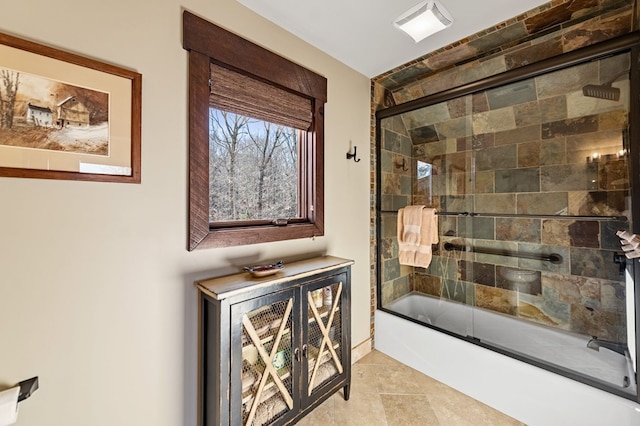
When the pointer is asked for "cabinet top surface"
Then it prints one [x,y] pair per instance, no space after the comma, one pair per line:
[231,285]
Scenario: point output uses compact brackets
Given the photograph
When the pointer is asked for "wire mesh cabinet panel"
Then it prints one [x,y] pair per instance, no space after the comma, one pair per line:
[326,350]
[274,348]
[264,358]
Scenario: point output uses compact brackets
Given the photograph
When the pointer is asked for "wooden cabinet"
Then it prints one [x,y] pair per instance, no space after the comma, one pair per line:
[274,348]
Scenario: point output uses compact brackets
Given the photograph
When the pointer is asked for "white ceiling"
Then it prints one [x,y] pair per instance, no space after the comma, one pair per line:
[360,33]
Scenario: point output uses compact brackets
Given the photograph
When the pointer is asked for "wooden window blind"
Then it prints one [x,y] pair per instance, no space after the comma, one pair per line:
[248,96]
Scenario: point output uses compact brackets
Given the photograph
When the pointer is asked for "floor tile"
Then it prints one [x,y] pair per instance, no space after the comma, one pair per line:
[455,408]
[322,415]
[408,410]
[377,357]
[364,378]
[398,379]
[385,392]
[361,409]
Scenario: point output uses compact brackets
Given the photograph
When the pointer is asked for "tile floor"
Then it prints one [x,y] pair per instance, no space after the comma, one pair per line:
[385,392]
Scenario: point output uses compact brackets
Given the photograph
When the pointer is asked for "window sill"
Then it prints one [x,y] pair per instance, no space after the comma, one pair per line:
[255,235]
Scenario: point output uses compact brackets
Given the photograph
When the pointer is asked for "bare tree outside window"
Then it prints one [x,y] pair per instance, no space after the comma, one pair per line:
[253,169]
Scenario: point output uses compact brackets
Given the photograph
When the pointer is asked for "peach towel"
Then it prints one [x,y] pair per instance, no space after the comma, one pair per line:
[417,231]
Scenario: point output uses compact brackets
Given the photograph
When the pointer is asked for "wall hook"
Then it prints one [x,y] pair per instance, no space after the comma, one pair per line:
[402,165]
[350,156]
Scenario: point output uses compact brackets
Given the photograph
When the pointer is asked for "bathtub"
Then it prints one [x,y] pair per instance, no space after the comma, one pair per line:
[530,394]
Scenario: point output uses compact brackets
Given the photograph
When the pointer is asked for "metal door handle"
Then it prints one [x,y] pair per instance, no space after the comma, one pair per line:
[296,354]
[304,350]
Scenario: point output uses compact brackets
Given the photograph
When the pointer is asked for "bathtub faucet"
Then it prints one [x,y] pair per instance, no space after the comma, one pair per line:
[596,343]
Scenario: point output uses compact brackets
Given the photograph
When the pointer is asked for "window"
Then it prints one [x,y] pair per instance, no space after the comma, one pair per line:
[253,170]
[256,142]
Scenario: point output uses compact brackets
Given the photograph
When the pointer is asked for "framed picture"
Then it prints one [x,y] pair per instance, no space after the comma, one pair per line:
[64,116]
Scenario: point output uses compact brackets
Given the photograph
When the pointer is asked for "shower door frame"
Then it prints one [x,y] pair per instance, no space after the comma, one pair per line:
[629,43]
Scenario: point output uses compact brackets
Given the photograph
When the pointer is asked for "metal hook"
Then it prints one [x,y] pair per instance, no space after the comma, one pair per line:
[402,165]
[621,260]
[350,156]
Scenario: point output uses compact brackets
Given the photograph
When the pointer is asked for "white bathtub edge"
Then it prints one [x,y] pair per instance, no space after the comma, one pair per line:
[530,394]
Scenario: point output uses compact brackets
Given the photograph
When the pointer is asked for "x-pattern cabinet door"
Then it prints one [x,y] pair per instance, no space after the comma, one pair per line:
[324,350]
[263,338]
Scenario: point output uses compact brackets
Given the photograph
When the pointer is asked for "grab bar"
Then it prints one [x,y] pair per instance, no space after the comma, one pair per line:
[524,215]
[549,216]
[438,213]
[552,257]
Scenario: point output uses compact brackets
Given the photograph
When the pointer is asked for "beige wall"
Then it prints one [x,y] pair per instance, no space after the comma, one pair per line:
[96,285]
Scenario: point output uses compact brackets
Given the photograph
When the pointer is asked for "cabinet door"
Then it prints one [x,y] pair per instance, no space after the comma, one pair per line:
[325,335]
[263,369]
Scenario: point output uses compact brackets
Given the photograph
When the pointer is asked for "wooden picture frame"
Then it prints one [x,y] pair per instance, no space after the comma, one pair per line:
[65,116]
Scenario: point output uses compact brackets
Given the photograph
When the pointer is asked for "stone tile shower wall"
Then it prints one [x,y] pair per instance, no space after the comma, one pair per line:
[592,302]
[396,154]
[551,29]
[532,151]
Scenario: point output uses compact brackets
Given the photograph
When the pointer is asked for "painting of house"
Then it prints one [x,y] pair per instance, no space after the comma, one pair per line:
[41,113]
[72,112]
[39,116]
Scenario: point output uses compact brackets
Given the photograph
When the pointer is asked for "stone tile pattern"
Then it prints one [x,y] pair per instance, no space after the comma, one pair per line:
[534,143]
[532,147]
[551,29]
[396,192]
[385,392]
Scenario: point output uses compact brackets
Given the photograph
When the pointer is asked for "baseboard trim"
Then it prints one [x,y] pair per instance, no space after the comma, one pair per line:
[360,350]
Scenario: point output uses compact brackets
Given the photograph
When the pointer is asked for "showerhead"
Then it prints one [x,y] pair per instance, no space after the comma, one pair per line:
[604,91]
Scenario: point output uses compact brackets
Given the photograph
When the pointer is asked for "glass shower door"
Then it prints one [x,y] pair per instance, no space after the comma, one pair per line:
[531,183]
[561,192]
[422,164]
